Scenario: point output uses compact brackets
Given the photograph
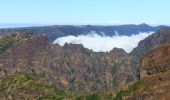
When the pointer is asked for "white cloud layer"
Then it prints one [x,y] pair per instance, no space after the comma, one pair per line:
[104,43]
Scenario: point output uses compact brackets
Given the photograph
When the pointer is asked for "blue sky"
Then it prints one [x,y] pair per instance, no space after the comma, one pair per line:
[85,11]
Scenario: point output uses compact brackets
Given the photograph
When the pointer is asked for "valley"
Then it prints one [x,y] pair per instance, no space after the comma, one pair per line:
[77,73]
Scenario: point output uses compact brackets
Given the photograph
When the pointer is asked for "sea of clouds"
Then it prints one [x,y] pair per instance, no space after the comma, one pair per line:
[104,43]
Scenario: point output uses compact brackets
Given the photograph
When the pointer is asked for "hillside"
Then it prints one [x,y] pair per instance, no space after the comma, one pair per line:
[150,61]
[71,67]
[80,73]
[160,37]
[155,72]
[31,87]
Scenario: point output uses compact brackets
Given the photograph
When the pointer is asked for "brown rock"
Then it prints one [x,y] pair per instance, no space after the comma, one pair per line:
[72,66]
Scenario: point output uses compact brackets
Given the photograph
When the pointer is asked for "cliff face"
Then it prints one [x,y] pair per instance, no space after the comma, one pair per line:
[156,61]
[78,69]
[153,41]
[71,67]
[155,75]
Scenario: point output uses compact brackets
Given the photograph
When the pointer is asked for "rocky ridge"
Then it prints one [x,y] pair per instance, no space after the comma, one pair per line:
[155,75]
[160,37]
[71,67]
[75,68]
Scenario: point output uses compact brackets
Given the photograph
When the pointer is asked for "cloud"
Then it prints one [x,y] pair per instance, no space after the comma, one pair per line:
[104,43]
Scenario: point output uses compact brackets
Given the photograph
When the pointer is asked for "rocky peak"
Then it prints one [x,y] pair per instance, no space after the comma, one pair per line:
[162,36]
[73,47]
[154,75]
[118,51]
[159,37]
[144,25]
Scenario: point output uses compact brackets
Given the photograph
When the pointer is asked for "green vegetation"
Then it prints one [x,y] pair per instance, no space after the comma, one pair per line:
[133,88]
[10,40]
[121,94]
[32,87]
[28,86]
[38,74]
[136,86]
[89,97]
[5,44]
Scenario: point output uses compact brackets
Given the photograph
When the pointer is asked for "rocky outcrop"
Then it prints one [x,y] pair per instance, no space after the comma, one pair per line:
[153,41]
[151,63]
[155,75]
[156,61]
[71,67]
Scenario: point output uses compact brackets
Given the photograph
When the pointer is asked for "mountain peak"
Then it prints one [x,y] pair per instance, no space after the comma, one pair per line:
[143,24]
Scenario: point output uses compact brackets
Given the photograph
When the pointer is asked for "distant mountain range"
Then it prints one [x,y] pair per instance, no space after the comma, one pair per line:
[15,25]
[55,31]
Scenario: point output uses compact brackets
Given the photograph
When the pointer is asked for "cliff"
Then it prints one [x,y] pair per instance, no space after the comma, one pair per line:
[157,61]
[160,37]
[70,67]
[154,75]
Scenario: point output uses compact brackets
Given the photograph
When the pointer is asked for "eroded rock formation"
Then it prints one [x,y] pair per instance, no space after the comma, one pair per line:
[71,67]
[156,61]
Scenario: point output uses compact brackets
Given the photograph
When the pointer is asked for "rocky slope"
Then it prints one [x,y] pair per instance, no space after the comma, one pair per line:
[155,74]
[80,70]
[31,87]
[157,61]
[21,86]
[71,67]
[160,37]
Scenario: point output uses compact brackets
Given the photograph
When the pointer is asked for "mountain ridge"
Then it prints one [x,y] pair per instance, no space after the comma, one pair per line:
[56,31]
[160,37]
[73,67]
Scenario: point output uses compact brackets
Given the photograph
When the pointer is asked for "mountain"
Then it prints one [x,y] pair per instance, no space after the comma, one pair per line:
[71,67]
[154,83]
[160,37]
[14,25]
[143,73]
[150,62]
[56,31]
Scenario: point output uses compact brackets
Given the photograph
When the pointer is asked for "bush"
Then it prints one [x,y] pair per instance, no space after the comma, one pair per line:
[89,97]
[136,86]
[121,94]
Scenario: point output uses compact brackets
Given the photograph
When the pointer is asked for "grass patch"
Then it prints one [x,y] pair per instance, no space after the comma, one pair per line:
[89,97]
[133,88]
[5,44]
[29,83]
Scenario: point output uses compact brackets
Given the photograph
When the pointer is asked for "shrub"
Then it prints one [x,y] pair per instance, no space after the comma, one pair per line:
[136,86]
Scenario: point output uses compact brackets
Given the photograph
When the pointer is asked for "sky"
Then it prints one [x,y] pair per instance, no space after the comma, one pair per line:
[77,12]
